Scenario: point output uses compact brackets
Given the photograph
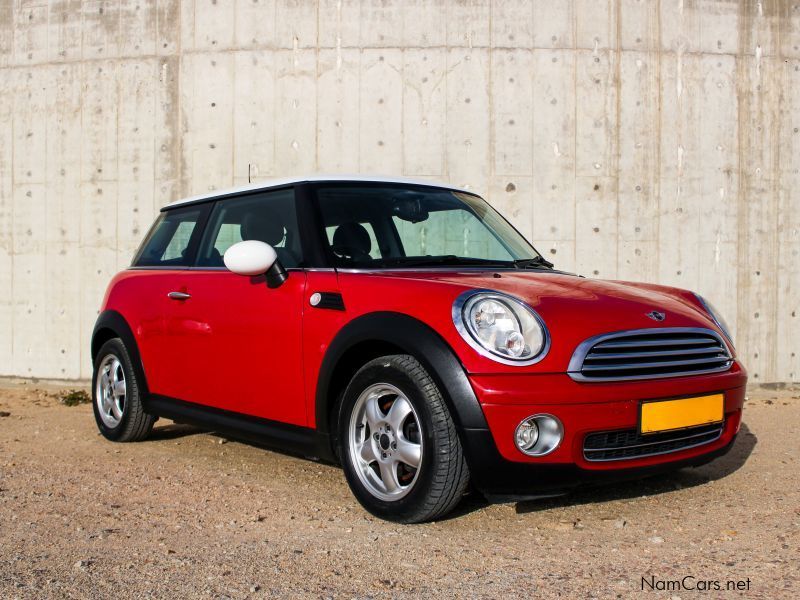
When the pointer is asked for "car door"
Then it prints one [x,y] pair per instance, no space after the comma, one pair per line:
[142,296]
[235,342]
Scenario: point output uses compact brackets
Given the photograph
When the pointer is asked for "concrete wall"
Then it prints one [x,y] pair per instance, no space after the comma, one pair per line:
[634,139]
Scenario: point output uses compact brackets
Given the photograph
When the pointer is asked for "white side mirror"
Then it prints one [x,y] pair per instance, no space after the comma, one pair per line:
[250,257]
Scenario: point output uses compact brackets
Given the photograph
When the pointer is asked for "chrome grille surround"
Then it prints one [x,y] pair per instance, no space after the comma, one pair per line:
[654,353]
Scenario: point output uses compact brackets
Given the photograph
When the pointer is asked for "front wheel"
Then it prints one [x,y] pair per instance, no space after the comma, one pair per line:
[399,447]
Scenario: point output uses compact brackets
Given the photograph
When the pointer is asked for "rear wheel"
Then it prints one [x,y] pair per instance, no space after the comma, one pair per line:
[399,447]
[116,395]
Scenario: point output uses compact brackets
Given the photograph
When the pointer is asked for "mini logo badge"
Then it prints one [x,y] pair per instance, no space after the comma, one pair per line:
[656,316]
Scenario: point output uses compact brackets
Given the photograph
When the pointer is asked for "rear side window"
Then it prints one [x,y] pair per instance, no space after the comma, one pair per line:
[172,238]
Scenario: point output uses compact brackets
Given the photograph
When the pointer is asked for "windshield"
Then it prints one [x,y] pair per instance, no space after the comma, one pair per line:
[393,225]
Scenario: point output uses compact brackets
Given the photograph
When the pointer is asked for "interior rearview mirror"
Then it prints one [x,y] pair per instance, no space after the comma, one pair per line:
[252,258]
[409,208]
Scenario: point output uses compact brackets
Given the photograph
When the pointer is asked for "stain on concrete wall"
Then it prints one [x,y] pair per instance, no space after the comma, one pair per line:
[637,139]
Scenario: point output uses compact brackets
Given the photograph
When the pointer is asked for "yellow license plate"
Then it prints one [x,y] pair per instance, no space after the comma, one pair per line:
[665,415]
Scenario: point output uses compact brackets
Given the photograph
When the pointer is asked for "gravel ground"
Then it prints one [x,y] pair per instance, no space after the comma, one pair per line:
[189,514]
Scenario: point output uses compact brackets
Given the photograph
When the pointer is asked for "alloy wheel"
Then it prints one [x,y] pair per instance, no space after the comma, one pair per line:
[110,391]
[385,442]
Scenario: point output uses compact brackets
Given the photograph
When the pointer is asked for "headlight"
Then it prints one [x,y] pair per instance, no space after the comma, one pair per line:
[717,317]
[500,327]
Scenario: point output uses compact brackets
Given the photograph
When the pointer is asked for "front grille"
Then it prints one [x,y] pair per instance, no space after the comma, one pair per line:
[629,443]
[650,354]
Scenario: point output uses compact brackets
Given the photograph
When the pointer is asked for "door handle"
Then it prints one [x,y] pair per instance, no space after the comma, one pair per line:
[179,296]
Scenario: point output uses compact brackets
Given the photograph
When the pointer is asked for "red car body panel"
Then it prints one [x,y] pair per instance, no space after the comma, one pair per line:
[141,297]
[573,308]
[580,419]
[241,343]
[233,333]
[222,346]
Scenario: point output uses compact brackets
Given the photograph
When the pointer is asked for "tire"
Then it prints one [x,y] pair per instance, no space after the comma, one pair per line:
[118,409]
[392,416]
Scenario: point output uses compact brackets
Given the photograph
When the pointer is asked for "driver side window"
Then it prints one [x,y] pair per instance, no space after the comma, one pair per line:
[268,217]
[374,250]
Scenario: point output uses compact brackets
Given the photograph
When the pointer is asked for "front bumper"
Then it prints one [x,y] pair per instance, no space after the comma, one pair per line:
[501,480]
[500,470]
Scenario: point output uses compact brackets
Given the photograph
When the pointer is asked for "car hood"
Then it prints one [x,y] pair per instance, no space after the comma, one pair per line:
[591,304]
[575,308]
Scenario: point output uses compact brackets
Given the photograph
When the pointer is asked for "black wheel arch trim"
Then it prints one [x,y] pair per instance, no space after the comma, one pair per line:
[114,322]
[413,337]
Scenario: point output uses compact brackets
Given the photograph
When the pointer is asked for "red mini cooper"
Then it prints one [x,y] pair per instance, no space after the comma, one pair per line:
[407,331]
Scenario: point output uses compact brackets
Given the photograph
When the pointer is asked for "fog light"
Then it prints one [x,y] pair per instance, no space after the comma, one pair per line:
[527,435]
[538,435]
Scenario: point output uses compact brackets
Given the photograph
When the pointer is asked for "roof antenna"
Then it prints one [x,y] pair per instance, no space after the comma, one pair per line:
[249,170]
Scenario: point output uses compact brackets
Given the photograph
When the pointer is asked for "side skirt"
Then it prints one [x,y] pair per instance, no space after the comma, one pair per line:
[283,437]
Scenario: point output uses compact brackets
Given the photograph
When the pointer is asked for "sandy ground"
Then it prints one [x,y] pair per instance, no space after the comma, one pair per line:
[189,514]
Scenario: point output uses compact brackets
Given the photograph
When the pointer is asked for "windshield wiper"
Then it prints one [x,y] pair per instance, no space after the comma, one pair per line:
[536,261]
[447,259]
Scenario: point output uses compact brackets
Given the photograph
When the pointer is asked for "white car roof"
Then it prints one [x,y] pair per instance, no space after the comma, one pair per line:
[278,182]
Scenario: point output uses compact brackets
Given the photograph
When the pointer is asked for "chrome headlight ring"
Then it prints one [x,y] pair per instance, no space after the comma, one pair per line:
[519,339]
